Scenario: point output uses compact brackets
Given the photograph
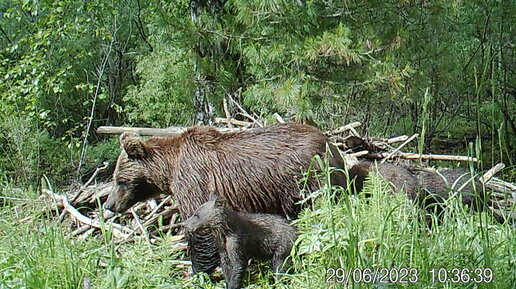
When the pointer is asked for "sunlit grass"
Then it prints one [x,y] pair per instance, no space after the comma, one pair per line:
[383,230]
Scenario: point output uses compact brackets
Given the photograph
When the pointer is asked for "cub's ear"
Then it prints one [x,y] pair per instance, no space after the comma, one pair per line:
[213,197]
[219,200]
[133,145]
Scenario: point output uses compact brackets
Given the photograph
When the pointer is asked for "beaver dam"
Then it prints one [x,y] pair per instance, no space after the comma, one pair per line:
[80,207]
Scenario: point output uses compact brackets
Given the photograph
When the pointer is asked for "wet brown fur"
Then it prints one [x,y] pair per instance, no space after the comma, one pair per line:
[441,185]
[256,170]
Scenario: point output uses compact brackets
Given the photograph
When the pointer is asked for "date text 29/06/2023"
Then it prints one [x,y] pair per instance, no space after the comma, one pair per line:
[408,275]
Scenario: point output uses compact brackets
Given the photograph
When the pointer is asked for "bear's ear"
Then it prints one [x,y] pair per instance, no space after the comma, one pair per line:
[133,145]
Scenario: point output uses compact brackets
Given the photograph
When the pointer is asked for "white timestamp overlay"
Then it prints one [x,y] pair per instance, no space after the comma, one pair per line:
[408,275]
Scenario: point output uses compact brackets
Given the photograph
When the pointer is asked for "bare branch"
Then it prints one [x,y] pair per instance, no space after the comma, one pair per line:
[398,148]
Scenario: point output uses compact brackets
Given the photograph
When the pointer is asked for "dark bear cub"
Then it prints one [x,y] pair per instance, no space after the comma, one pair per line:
[241,236]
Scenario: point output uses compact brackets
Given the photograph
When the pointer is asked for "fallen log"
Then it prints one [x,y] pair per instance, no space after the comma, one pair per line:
[490,173]
[141,130]
[347,127]
[233,122]
[170,131]
[415,156]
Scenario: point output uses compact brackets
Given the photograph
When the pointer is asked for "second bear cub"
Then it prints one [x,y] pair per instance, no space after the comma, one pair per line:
[241,236]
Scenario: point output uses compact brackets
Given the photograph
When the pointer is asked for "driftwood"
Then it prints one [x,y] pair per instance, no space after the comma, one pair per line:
[398,148]
[397,139]
[415,156]
[244,113]
[490,173]
[89,195]
[278,117]
[347,127]
[141,130]
[228,115]
[233,121]
[389,140]
[118,230]
[97,171]
[170,131]
[148,219]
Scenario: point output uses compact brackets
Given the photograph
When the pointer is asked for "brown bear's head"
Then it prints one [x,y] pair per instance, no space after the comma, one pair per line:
[132,179]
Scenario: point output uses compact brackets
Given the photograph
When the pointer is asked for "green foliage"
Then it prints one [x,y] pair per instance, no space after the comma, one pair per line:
[19,151]
[70,66]
[332,62]
[164,96]
[27,152]
[62,63]
[41,254]
[38,75]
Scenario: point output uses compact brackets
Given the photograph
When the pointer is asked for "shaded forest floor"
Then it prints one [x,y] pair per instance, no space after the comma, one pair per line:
[340,231]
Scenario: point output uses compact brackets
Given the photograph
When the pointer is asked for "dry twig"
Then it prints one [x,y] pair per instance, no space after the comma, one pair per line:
[398,148]
[118,230]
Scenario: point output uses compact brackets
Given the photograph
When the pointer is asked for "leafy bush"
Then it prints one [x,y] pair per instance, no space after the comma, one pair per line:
[27,153]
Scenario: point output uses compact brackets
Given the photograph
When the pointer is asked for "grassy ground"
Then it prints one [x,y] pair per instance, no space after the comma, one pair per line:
[339,231]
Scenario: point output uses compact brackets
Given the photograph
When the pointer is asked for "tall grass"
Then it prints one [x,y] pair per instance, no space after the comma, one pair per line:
[386,230]
[339,230]
[37,252]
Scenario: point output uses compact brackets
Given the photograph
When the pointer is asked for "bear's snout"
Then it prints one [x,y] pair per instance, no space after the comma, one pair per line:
[117,203]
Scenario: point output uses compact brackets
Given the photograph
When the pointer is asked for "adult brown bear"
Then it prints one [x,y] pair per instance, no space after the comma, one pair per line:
[256,170]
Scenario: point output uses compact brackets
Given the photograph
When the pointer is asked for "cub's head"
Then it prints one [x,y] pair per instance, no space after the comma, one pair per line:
[209,215]
[132,179]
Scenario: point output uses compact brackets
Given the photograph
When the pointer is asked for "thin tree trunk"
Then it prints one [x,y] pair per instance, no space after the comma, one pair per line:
[203,109]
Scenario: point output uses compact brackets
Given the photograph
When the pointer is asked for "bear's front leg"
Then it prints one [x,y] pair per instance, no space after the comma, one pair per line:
[233,264]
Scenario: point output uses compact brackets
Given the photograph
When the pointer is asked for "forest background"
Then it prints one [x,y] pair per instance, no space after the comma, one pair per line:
[444,69]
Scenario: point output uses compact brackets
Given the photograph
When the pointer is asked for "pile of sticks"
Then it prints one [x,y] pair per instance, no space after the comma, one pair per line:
[151,219]
[159,217]
[348,139]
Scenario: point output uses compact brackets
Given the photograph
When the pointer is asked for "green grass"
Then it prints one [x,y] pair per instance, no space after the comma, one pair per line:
[387,231]
[340,231]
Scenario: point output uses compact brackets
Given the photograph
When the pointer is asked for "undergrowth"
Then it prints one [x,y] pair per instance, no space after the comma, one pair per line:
[382,230]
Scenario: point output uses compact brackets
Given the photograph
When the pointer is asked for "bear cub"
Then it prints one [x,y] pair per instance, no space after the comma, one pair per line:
[241,236]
